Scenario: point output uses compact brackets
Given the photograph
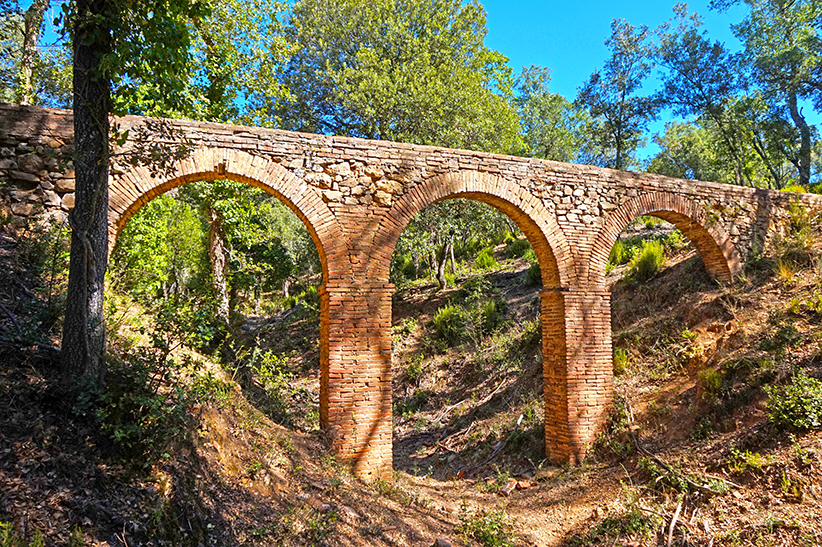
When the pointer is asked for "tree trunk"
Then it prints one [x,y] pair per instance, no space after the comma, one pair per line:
[32,22]
[84,327]
[804,155]
[217,254]
[453,262]
[442,260]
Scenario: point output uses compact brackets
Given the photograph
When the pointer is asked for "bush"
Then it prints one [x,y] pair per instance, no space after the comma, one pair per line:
[533,276]
[143,404]
[648,262]
[517,248]
[621,357]
[796,248]
[485,260]
[488,529]
[797,405]
[620,253]
[795,188]
[449,322]
[491,314]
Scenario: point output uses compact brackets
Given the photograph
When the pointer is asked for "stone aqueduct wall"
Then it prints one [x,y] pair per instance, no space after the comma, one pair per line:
[356,196]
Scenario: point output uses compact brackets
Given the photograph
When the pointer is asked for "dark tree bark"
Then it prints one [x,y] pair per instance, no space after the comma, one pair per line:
[804,155]
[84,328]
[32,22]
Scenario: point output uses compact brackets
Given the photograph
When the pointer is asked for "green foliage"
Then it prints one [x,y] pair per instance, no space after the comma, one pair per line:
[533,275]
[517,248]
[485,260]
[271,373]
[743,462]
[620,115]
[621,253]
[648,262]
[553,127]
[632,522]
[407,407]
[414,369]
[51,69]
[375,69]
[10,538]
[796,248]
[797,405]
[710,382]
[143,404]
[449,322]
[161,252]
[489,529]
[621,360]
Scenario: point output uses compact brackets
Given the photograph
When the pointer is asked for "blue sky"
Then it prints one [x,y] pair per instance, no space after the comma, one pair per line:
[568,37]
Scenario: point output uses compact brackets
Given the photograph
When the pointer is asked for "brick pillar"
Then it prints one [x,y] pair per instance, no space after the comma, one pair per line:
[577,369]
[355,375]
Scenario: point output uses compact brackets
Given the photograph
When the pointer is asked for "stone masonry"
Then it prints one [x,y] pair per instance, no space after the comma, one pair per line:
[356,196]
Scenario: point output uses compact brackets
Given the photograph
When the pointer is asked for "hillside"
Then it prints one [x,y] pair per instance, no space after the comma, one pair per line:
[690,456]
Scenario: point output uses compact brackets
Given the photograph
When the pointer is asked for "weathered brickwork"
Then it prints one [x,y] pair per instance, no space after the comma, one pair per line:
[356,197]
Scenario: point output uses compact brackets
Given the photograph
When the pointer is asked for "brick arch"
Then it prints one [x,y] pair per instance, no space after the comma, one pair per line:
[129,192]
[536,222]
[714,245]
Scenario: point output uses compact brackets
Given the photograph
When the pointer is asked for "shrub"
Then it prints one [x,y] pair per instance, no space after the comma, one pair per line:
[797,405]
[449,322]
[710,382]
[485,260]
[517,248]
[648,262]
[271,373]
[491,314]
[795,188]
[143,404]
[533,276]
[476,287]
[620,253]
[488,529]
[620,360]
[414,370]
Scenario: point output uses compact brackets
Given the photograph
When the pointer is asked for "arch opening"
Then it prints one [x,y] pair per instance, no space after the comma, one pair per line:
[274,264]
[717,250]
[660,259]
[462,351]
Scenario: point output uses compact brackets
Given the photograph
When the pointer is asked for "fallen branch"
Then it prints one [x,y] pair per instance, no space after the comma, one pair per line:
[673,523]
[481,402]
[496,451]
[13,320]
[671,471]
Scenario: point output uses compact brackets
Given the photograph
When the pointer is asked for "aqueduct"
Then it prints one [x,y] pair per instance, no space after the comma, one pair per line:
[356,196]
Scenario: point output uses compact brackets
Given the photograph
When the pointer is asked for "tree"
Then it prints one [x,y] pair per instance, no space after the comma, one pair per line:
[553,128]
[692,150]
[701,78]
[411,71]
[32,72]
[782,43]
[612,98]
[114,41]
[32,24]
